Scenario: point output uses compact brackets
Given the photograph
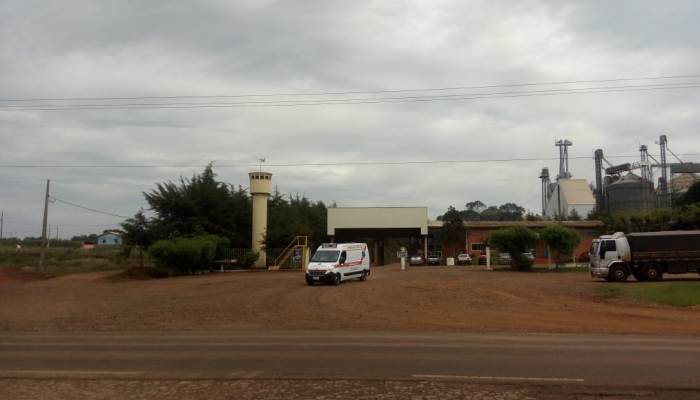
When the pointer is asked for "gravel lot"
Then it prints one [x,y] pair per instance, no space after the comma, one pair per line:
[451,299]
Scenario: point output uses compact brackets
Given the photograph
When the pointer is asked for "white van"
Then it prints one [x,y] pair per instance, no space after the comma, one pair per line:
[336,262]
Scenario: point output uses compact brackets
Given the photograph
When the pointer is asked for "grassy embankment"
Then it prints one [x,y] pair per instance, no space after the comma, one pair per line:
[678,294]
[64,260]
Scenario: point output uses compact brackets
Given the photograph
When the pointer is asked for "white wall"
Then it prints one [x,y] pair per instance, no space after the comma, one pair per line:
[377,218]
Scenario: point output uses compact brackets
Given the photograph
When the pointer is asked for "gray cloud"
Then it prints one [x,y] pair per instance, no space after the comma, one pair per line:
[88,49]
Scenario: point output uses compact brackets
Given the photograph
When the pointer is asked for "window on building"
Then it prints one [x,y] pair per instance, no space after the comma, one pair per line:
[478,247]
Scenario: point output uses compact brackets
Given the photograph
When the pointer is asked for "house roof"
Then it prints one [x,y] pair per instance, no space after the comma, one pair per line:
[110,233]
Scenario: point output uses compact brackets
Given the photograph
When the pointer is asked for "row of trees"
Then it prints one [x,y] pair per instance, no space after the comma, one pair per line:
[203,206]
[518,240]
[478,211]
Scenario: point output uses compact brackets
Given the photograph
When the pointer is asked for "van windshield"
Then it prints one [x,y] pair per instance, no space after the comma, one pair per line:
[325,256]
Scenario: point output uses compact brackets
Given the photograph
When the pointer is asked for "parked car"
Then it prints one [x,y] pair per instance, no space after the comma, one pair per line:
[504,259]
[416,260]
[529,256]
[434,258]
[464,258]
[482,259]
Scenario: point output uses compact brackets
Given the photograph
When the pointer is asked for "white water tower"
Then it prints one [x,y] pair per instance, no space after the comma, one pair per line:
[260,189]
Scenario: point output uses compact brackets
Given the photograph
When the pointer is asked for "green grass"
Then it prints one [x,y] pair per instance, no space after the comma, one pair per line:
[566,269]
[677,294]
[65,260]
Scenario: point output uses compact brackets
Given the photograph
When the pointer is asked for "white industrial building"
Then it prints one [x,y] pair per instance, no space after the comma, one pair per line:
[567,195]
[561,197]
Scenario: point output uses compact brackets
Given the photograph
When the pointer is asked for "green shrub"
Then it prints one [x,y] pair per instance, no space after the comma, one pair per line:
[186,255]
[249,258]
[515,241]
[521,263]
[561,241]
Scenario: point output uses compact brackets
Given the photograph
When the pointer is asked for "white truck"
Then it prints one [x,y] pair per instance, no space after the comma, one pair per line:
[336,262]
[647,256]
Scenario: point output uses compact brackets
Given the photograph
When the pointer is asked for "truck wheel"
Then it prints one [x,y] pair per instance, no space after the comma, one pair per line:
[653,272]
[363,277]
[617,273]
[336,279]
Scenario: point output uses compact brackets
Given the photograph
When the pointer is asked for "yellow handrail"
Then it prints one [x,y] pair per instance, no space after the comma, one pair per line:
[298,241]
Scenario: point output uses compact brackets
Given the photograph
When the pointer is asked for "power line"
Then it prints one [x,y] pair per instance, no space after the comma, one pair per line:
[350,101]
[62,224]
[318,164]
[367,99]
[331,93]
[87,208]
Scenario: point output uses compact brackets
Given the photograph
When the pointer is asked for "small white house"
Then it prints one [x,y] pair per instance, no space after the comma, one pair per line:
[109,239]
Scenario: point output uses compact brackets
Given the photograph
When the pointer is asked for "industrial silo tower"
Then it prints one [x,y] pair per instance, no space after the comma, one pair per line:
[260,189]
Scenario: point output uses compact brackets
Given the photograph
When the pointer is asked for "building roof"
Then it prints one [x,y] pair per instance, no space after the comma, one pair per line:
[576,192]
[528,224]
[115,233]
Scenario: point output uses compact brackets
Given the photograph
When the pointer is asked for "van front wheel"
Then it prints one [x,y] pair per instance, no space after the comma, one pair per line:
[363,277]
[336,279]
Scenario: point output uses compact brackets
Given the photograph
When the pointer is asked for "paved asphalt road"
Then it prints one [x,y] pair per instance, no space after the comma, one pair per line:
[590,360]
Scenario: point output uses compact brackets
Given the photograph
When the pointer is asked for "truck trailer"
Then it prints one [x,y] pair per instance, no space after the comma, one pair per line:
[646,255]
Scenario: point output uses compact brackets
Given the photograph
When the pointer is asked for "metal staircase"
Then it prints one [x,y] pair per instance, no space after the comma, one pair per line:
[299,242]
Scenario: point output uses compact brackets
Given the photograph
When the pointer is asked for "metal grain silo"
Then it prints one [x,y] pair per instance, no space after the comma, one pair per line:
[631,194]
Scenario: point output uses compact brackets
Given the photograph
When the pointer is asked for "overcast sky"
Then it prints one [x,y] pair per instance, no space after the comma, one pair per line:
[88,49]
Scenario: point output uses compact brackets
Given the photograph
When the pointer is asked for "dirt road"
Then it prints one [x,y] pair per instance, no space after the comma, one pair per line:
[447,299]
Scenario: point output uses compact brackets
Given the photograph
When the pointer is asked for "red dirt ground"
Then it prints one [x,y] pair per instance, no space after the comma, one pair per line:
[17,275]
[422,299]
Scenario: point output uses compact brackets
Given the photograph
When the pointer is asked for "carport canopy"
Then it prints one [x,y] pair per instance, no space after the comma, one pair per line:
[367,218]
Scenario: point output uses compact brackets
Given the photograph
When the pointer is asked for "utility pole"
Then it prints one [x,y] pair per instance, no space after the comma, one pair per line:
[2,223]
[44,238]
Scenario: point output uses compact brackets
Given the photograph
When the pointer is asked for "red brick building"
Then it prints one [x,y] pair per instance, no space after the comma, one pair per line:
[479,231]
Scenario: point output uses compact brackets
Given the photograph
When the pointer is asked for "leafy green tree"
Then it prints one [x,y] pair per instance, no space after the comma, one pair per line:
[515,241]
[200,205]
[453,231]
[477,206]
[472,211]
[294,217]
[91,238]
[203,205]
[574,215]
[453,228]
[478,211]
[511,212]
[137,233]
[530,216]
[561,241]
[691,196]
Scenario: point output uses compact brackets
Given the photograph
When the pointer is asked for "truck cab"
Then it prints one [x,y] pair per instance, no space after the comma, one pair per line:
[610,253]
[645,255]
